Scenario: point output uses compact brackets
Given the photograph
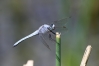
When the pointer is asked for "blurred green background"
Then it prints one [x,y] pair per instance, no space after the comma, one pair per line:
[19,18]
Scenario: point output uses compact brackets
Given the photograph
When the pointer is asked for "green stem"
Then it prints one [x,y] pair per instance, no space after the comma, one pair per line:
[58,50]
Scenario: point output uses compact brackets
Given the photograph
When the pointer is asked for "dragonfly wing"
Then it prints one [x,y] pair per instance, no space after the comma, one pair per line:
[60,29]
[61,22]
[44,41]
[60,25]
[32,34]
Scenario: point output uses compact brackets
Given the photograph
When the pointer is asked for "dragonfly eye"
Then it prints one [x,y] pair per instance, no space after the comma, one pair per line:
[52,26]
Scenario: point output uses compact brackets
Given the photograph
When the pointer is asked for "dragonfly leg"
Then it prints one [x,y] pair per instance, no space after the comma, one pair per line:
[50,37]
[52,31]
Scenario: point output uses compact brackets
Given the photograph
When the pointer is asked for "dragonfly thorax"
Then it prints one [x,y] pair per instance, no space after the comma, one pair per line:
[44,28]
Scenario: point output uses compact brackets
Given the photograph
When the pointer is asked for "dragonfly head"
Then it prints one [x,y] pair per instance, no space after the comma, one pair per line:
[52,26]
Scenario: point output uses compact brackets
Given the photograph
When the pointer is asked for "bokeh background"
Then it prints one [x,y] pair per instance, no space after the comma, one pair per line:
[19,18]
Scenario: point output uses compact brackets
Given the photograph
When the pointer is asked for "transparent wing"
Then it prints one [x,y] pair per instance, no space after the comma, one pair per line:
[60,29]
[44,41]
[62,22]
[60,25]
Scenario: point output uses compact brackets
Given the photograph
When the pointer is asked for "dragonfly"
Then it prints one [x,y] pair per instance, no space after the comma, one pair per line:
[57,25]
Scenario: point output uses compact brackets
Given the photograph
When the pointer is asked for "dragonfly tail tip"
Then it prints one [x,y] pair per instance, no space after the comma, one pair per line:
[14,45]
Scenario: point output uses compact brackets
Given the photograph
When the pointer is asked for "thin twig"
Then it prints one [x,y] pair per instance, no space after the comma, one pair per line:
[86,56]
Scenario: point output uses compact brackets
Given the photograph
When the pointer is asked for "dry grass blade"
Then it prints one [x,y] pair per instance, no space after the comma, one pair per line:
[86,56]
[29,63]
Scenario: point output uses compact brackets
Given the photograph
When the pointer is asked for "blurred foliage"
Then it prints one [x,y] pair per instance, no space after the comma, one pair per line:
[19,18]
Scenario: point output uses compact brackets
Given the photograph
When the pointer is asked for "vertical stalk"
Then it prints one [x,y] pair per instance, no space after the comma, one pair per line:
[58,49]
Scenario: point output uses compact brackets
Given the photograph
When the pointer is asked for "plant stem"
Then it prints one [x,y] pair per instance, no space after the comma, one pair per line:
[58,49]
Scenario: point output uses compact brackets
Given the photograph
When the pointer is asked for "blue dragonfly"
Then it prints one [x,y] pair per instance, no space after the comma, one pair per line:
[58,25]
